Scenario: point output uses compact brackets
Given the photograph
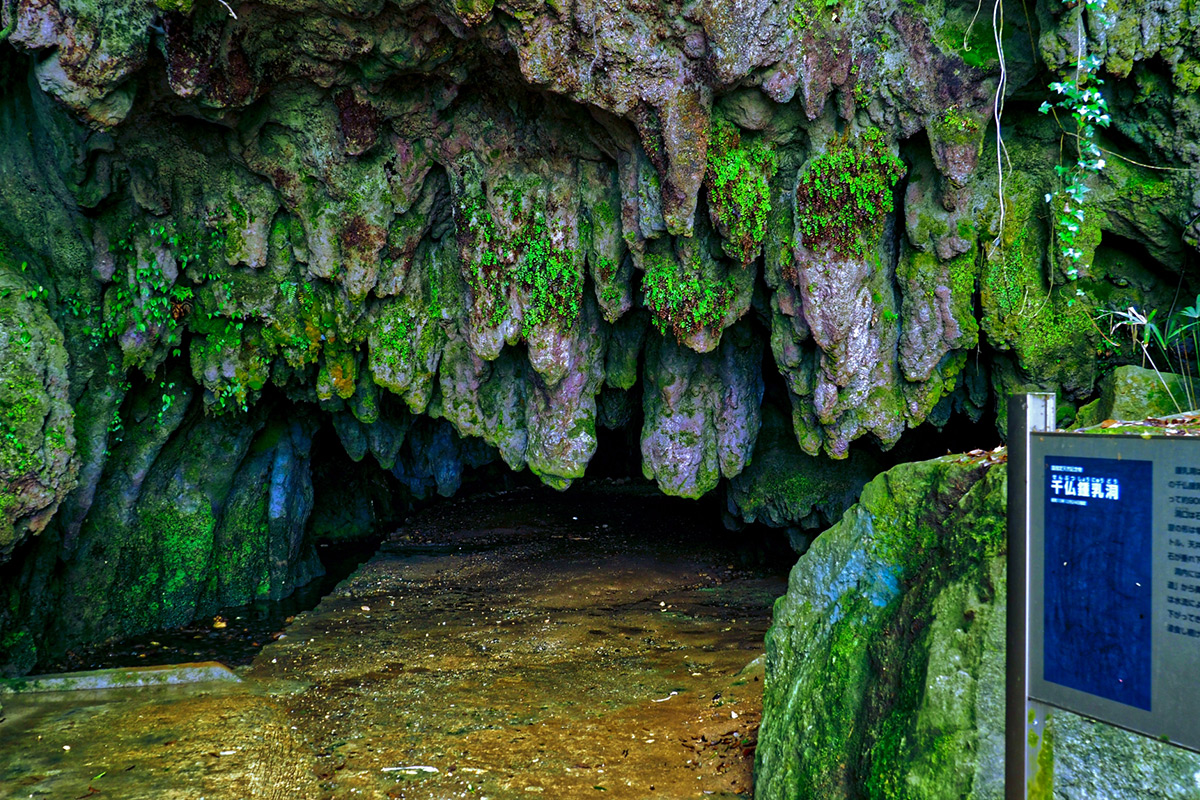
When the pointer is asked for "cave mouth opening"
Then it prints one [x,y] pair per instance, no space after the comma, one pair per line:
[367,481]
[359,507]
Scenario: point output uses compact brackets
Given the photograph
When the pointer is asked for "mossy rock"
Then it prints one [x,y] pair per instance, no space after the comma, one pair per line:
[885,663]
[1135,393]
[37,434]
[848,652]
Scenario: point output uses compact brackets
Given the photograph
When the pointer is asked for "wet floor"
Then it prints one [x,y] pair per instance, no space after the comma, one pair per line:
[533,644]
[234,636]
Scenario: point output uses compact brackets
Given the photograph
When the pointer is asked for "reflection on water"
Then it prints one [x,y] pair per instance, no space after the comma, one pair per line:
[232,636]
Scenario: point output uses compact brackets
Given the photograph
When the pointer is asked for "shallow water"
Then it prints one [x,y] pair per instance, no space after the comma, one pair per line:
[533,644]
[237,641]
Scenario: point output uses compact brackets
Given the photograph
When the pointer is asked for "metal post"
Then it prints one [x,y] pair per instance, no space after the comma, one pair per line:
[1026,413]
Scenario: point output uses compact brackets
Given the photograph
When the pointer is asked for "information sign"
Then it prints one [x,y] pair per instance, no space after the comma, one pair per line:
[1114,601]
[1104,582]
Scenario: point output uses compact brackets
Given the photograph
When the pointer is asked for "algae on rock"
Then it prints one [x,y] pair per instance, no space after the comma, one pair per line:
[885,662]
[448,232]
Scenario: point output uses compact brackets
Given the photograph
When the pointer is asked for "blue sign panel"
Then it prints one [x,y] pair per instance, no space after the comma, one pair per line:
[1098,577]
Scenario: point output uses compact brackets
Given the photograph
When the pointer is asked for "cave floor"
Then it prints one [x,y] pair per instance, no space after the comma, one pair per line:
[522,645]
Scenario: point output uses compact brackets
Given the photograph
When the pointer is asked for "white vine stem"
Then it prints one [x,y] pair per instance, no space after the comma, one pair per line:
[997,112]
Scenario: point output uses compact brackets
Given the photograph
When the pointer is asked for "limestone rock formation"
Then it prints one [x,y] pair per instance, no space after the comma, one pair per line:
[885,662]
[784,487]
[459,234]
[38,465]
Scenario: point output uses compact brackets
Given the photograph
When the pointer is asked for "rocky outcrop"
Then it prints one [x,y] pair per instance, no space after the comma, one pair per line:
[38,466]
[468,233]
[1131,392]
[885,662]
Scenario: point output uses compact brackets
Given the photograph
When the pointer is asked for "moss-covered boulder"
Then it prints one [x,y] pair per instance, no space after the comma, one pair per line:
[38,466]
[885,662]
[1135,393]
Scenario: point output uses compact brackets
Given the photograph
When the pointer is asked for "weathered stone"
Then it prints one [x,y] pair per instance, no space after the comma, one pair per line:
[1135,393]
[702,412]
[901,607]
[38,466]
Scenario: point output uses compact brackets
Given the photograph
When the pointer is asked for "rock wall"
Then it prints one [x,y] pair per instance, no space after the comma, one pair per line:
[885,661]
[467,233]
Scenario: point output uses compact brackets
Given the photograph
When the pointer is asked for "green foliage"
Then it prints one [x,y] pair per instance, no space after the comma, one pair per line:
[1176,344]
[805,12]
[611,290]
[1081,98]
[604,213]
[300,331]
[683,301]
[845,192]
[485,275]
[550,276]
[186,539]
[141,297]
[20,412]
[739,191]
[152,309]
[1048,330]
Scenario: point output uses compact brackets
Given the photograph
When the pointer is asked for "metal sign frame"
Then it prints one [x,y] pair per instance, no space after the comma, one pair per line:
[1158,699]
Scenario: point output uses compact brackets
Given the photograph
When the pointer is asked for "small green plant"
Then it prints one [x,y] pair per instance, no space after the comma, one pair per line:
[554,283]
[1081,98]
[485,276]
[1171,343]
[547,273]
[739,191]
[845,193]
[141,296]
[168,399]
[683,301]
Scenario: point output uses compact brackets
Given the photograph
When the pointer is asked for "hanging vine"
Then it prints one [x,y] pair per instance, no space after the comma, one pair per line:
[1080,96]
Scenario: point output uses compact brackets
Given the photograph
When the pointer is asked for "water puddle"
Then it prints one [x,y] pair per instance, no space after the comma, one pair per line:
[532,644]
[233,636]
